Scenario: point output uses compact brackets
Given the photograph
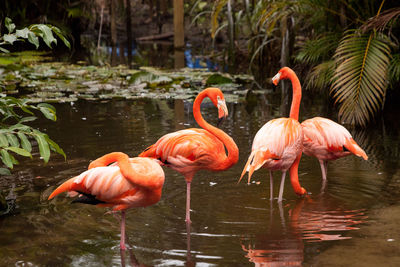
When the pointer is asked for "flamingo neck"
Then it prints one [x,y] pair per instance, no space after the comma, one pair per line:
[296,99]
[231,147]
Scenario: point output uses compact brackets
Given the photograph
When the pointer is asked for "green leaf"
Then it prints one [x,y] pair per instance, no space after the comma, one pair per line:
[33,39]
[9,38]
[24,33]
[55,146]
[44,149]
[27,119]
[6,158]
[360,79]
[49,113]
[12,140]
[45,32]
[25,144]
[19,151]
[3,140]
[4,50]
[4,171]
[9,25]
[58,32]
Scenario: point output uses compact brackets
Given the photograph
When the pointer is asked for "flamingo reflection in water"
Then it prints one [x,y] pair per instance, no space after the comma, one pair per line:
[312,220]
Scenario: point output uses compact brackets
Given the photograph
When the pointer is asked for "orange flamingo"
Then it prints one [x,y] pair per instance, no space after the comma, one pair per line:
[129,182]
[327,140]
[190,150]
[278,144]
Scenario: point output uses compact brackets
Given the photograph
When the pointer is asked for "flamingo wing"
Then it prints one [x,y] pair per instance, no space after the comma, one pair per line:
[328,140]
[108,187]
[187,149]
[275,146]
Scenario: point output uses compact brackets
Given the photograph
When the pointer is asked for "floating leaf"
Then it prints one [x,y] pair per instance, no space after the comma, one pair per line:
[218,79]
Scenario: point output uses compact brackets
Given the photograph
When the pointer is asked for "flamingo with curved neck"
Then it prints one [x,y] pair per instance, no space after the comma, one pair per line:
[127,183]
[278,144]
[190,150]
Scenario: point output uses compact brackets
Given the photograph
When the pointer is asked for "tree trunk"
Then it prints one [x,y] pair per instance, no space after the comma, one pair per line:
[113,33]
[179,33]
[129,32]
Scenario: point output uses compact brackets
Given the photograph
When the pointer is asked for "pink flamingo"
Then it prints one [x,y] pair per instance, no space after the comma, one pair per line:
[129,182]
[190,150]
[278,144]
[327,140]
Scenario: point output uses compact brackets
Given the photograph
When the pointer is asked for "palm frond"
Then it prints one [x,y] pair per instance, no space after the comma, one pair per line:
[394,69]
[360,78]
[320,48]
[379,22]
[320,76]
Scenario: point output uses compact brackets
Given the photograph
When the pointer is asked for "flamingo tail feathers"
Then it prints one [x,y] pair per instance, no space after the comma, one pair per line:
[354,148]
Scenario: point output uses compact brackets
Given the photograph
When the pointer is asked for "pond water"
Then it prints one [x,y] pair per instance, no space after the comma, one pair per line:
[353,223]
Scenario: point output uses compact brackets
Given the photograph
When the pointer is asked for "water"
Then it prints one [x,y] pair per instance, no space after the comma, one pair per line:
[233,224]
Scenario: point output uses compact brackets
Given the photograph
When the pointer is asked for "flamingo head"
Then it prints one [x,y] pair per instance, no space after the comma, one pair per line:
[218,99]
[281,75]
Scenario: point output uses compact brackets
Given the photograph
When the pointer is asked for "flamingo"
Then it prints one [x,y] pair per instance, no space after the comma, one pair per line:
[129,182]
[327,140]
[190,150]
[278,144]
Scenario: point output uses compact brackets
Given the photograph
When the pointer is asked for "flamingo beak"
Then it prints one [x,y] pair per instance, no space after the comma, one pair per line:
[222,111]
[276,78]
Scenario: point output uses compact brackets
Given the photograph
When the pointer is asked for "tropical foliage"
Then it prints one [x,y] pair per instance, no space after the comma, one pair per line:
[32,34]
[350,48]
[16,136]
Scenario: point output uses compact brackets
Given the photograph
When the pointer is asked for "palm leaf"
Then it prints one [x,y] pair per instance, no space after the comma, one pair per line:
[360,79]
[321,75]
[320,48]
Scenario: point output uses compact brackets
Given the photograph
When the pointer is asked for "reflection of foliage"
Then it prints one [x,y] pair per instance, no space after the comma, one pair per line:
[16,136]
[32,34]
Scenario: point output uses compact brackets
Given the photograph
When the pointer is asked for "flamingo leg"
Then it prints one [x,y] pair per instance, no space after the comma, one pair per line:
[188,221]
[323,169]
[282,186]
[271,186]
[122,242]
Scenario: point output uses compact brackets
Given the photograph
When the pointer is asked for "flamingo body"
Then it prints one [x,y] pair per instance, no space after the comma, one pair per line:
[190,150]
[127,183]
[327,140]
[277,144]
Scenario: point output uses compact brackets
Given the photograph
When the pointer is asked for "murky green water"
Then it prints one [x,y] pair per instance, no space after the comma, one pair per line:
[354,223]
